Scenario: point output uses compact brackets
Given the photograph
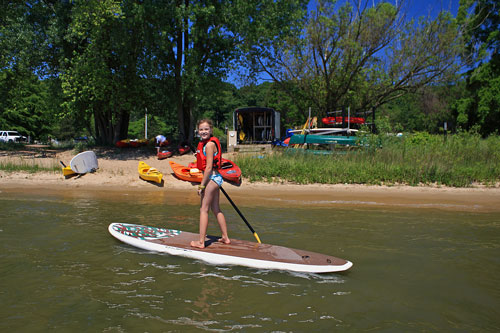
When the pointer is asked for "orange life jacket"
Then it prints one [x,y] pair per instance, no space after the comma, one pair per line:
[201,158]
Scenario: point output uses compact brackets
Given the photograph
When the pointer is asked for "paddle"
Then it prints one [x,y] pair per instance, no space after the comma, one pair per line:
[241,215]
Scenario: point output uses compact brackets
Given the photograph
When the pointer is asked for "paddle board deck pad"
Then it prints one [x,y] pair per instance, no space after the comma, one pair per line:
[84,162]
[239,252]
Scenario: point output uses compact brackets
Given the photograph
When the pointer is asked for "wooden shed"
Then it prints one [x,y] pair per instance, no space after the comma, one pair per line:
[256,125]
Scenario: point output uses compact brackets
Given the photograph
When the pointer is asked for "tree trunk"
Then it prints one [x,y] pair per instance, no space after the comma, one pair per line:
[100,127]
[188,120]
[107,132]
[121,126]
[178,84]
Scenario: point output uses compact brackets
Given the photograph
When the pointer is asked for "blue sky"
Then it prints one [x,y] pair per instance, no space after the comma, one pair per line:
[424,7]
[417,8]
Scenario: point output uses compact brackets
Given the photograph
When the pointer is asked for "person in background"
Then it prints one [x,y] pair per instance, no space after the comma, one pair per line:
[209,161]
[160,141]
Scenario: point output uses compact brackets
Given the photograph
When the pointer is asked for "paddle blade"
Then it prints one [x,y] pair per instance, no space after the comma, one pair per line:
[257,237]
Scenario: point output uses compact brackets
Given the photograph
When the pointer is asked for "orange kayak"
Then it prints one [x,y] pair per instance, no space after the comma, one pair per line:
[184,173]
[229,171]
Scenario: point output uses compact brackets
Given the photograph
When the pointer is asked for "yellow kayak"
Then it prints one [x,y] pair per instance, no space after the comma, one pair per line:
[148,173]
[66,170]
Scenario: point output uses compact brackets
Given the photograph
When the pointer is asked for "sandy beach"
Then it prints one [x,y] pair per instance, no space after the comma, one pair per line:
[117,175]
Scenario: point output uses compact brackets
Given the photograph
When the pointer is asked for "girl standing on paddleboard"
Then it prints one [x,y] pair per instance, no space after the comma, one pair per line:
[209,161]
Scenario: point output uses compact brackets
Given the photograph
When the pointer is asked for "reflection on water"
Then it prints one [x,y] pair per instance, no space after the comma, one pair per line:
[414,269]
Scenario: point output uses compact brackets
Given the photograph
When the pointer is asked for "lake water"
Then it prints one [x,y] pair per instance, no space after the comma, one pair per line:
[414,269]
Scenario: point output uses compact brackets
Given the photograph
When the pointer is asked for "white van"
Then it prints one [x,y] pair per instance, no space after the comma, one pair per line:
[11,136]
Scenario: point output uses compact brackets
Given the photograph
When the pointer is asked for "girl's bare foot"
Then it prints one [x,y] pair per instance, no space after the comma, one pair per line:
[198,244]
[224,240]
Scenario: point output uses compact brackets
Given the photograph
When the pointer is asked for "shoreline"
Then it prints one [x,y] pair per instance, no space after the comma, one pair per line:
[264,194]
[117,178]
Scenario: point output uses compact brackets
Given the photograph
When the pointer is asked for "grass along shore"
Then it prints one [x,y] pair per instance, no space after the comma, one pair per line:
[461,160]
[30,165]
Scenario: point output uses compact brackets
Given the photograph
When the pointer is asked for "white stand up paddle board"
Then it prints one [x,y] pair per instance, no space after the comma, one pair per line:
[84,162]
[239,252]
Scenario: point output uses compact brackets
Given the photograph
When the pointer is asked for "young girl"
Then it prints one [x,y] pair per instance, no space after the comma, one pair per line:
[209,161]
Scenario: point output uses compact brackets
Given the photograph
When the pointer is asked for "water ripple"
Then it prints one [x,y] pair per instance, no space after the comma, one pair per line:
[374,203]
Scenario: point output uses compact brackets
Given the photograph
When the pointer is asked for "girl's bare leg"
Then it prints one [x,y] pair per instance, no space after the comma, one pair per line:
[219,215]
[206,198]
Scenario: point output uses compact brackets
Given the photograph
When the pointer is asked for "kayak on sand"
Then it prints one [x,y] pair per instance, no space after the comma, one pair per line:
[229,171]
[185,173]
[161,155]
[66,170]
[148,173]
[183,149]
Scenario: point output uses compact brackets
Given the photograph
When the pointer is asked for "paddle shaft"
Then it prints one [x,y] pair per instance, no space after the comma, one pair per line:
[241,215]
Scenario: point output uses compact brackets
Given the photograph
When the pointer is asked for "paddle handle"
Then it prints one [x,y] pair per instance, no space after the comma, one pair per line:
[241,215]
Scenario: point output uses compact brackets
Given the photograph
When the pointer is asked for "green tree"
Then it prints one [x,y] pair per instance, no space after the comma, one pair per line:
[24,103]
[363,56]
[425,110]
[25,107]
[100,79]
[114,59]
[202,39]
[481,105]
[218,102]
[120,50]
